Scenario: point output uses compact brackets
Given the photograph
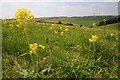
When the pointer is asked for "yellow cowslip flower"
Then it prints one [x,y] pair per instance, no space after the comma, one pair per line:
[4,21]
[43,47]
[24,14]
[66,29]
[53,24]
[33,48]
[60,28]
[31,17]
[10,25]
[42,59]
[93,39]
[50,27]
[18,26]
[83,27]
[18,20]
[90,40]
[61,33]
[112,34]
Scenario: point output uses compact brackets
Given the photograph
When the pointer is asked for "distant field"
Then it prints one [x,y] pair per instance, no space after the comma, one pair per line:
[82,21]
[111,26]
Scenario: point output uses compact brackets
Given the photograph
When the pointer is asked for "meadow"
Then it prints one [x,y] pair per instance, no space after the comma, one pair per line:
[43,50]
[67,51]
[85,21]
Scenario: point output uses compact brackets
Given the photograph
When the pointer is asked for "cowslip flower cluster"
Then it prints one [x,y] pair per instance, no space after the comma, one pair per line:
[4,21]
[22,17]
[61,33]
[34,48]
[66,29]
[24,14]
[94,38]
[11,25]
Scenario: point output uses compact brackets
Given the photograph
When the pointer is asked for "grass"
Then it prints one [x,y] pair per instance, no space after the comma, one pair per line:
[81,21]
[111,26]
[69,55]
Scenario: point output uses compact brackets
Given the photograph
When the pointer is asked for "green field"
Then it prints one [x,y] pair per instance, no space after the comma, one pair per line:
[69,54]
[85,21]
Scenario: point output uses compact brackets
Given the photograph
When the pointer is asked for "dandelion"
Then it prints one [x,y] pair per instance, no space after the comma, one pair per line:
[42,59]
[93,39]
[43,47]
[66,29]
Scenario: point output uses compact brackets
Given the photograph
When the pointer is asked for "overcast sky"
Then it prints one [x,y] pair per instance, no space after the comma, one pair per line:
[60,8]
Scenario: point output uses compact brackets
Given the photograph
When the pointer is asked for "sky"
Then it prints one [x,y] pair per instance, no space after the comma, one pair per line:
[54,8]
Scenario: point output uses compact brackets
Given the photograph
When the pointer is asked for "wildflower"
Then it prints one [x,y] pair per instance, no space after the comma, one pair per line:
[24,14]
[61,33]
[52,24]
[43,47]
[4,21]
[17,26]
[10,25]
[42,58]
[60,28]
[33,48]
[18,20]
[66,29]
[83,26]
[93,39]
[50,27]
[112,34]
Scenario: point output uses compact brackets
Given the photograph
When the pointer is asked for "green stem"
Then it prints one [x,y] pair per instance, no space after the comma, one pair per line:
[93,51]
[37,63]
[94,56]
[26,37]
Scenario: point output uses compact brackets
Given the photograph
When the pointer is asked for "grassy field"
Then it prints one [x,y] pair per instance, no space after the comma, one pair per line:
[67,50]
[81,21]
